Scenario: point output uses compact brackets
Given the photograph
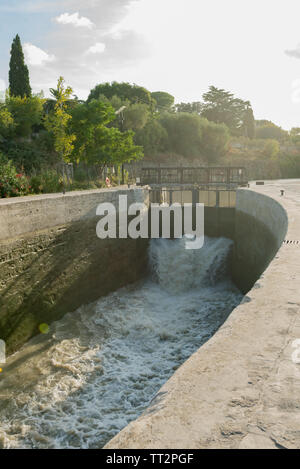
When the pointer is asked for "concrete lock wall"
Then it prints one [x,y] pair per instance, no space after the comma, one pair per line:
[260,228]
[240,390]
[234,392]
[51,261]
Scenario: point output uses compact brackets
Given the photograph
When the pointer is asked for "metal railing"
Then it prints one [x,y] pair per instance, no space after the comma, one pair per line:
[200,176]
[211,197]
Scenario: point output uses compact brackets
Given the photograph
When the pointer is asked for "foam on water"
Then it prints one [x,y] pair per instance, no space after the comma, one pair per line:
[100,367]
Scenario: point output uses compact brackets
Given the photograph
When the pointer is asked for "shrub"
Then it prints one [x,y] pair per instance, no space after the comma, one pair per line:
[84,185]
[153,137]
[28,157]
[195,137]
[46,182]
[80,175]
[271,149]
[290,166]
[12,184]
[6,122]
[26,112]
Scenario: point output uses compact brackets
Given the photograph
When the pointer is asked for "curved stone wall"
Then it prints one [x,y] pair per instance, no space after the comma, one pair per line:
[241,389]
[260,227]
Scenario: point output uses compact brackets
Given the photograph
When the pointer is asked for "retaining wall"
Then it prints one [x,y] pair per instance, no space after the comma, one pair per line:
[51,261]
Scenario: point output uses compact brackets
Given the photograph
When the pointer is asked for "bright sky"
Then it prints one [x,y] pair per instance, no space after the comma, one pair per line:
[250,47]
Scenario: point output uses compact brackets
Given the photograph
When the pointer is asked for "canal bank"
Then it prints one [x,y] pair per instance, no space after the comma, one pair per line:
[241,388]
[52,262]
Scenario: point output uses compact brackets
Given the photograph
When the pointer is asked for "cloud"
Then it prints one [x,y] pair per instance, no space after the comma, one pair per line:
[2,90]
[98,48]
[85,52]
[2,85]
[294,52]
[36,56]
[75,20]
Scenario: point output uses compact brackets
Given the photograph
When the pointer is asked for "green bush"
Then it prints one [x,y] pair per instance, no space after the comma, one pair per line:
[28,157]
[80,175]
[46,182]
[290,166]
[195,137]
[153,137]
[12,183]
[83,185]
[271,149]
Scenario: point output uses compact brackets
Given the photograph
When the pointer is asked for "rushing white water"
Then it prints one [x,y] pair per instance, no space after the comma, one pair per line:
[98,368]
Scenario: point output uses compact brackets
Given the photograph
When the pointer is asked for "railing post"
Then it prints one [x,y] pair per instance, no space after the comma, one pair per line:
[228,175]
[195,196]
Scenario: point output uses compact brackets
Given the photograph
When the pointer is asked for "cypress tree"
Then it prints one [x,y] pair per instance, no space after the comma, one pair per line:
[249,123]
[19,84]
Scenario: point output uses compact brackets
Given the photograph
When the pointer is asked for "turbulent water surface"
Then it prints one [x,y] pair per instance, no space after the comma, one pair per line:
[98,368]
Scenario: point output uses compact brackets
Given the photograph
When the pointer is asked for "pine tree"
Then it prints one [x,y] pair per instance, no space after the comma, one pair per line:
[19,84]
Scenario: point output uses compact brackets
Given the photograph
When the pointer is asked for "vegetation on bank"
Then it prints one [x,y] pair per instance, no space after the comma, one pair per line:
[120,123]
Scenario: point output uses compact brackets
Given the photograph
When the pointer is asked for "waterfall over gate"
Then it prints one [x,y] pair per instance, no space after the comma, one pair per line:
[99,368]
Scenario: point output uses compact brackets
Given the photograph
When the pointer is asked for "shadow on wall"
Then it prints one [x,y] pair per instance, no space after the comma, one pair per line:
[44,276]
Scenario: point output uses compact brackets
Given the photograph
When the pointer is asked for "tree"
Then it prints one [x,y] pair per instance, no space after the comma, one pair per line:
[19,84]
[269,130]
[295,135]
[192,108]
[249,123]
[96,143]
[271,149]
[125,91]
[135,117]
[118,147]
[222,107]
[26,112]
[214,141]
[193,136]
[164,101]
[184,133]
[7,123]
[57,121]
[153,138]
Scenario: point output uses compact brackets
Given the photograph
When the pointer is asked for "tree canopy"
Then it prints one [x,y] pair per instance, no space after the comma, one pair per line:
[195,137]
[125,91]
[222,107]
[269,130]
[26,112]
[57,122]
[7,123]
[192,108]
[164,101]
[96,143]
[153,137]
